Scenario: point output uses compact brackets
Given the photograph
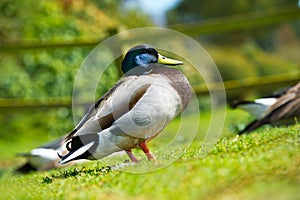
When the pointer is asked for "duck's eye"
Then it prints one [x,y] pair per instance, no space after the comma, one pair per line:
[163,57]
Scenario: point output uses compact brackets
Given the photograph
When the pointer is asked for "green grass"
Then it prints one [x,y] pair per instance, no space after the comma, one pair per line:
[264,164]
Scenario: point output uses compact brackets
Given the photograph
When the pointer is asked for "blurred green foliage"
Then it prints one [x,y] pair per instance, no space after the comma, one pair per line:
[187,12]
[249,61]
[208,9]
[50,73]
[245,53]
[42,124]
[43,74]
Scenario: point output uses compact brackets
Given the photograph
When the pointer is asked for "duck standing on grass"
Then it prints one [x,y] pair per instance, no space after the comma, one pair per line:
[134,111]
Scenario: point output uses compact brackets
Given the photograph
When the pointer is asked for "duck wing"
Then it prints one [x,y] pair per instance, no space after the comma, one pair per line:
[288,105]
[91,112]
[112,105]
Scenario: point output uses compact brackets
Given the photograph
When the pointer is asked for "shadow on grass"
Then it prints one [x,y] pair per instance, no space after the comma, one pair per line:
[64,174]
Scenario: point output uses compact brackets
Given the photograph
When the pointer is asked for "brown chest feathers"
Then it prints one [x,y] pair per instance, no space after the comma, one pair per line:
[178,81]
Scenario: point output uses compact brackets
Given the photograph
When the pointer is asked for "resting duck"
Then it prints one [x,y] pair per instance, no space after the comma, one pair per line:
[280,107]
[43,157]
[134,111]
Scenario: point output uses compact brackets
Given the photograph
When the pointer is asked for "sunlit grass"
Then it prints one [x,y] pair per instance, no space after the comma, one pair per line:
[264,164]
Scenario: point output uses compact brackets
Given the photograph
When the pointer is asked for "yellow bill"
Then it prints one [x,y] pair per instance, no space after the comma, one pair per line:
[168,61]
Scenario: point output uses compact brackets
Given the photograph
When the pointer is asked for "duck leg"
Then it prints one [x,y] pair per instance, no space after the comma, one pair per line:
[131,156]
[146,150]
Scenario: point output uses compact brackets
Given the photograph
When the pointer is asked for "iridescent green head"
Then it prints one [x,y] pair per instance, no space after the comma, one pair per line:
[142,56]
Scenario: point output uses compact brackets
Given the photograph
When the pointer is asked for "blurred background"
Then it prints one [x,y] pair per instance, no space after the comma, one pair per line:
[255,45]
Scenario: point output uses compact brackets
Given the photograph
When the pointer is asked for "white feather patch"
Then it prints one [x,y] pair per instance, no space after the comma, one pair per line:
[266,101]
[77,153]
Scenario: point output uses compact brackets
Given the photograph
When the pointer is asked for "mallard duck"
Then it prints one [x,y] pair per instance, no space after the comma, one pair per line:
[43,157]
[134,111]
[257,107]
[280,107]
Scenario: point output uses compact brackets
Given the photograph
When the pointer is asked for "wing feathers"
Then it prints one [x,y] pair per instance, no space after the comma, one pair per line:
[286,106]
[92,111]
[111,106]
